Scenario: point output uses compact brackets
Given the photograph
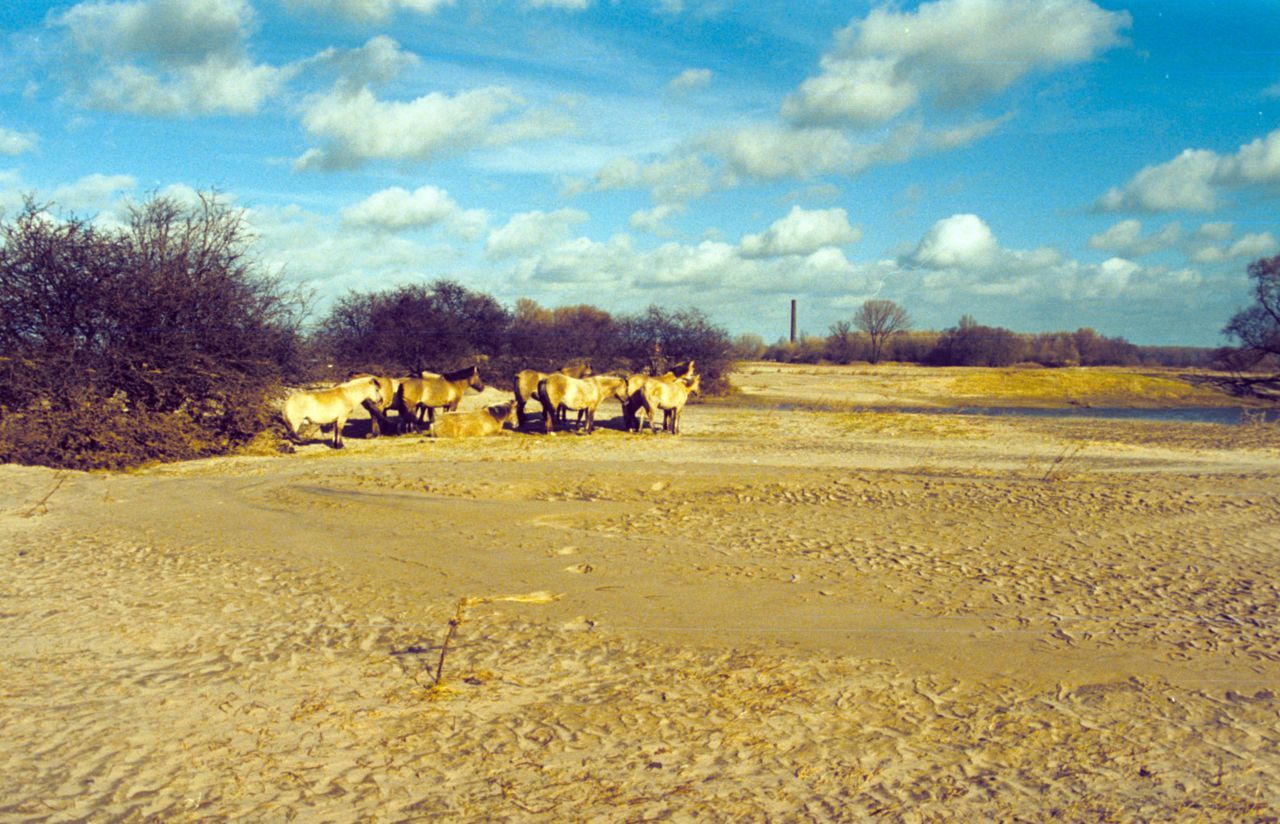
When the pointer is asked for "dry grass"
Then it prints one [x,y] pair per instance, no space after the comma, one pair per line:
[1085,386]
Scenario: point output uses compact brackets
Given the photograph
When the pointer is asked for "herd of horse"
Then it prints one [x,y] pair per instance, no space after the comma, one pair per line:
[415,401]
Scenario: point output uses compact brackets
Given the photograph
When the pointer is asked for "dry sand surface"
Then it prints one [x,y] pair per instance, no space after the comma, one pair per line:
[779,615]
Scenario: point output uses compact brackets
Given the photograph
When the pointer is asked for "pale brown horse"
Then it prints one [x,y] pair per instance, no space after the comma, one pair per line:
[556,391]
[669,397]
[388,387]
[526,385]
[419,397]
[635,399]
[474,424]
[328,406]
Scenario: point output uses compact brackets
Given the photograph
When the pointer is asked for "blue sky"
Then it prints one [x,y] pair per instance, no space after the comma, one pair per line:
[1039,164]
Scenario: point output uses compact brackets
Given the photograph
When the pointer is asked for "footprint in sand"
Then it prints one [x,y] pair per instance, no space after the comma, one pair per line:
[580,569]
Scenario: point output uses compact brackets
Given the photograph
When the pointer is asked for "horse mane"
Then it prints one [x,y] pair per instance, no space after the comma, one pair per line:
[460,374]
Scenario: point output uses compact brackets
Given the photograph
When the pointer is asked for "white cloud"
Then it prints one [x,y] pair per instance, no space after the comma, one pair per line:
[92,193]
[802,232]
[379,60]
[673,179]
[853,92]
[166,57]
[16,143]
[953,51]
[690,80]
[960,241]
[1126,238]
[1194,180]
[1252,245]
[312,251]
[369,10]
[567,5]
[1214,231]
[655,220]
[398,209]
[532,231]
[772,152]
[357,126]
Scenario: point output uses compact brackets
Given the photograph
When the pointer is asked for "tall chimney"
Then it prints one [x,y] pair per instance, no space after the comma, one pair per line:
[793,320]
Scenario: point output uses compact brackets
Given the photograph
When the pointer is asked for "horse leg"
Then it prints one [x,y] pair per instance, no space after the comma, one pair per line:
[337,431]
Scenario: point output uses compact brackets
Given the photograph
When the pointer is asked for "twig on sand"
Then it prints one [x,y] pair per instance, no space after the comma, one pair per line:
[41,506]
[459,615]
[1068,452]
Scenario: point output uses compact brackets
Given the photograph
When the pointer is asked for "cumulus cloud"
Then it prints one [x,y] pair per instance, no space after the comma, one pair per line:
[689,80]
[378,61]
[368,10]
[1126,238]
[952,51]
[93,192]
[655,220]
[398,209]
[166,57]
[674,179]
[1196,178]
[532,231]
[567,5]
[16,143]
[1252,245]
[357,126]
[958,242]
[771,152]
[802,232]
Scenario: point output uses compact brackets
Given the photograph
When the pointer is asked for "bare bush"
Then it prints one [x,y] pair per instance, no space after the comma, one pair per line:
[167,326]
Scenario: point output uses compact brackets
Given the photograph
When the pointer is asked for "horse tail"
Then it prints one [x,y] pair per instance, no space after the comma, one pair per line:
[289,414]
[548,408]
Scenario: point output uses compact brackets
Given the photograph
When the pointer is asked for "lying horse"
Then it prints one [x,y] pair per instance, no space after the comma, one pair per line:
[474,424]
[417,397]
[635,399]
[526,385]
[328,406]
[669,397]
[556,391]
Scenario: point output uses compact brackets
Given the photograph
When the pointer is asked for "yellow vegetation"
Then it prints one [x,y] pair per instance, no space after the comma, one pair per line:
[1091,386]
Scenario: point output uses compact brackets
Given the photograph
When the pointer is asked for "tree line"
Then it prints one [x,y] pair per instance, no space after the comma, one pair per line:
[881,330]
[163,337]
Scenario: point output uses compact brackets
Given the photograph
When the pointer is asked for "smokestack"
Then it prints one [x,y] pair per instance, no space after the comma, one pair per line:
[793,320]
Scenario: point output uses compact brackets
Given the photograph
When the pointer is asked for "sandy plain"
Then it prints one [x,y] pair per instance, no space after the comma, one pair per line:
[783,614]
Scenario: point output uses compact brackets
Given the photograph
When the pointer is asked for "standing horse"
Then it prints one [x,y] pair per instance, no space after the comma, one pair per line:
[378,409]
[556,391]
[526,385]
[419,397]
[328,406]
[635,399]
[669,397]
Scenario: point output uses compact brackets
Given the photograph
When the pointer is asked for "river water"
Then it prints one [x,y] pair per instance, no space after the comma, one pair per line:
[1192,414]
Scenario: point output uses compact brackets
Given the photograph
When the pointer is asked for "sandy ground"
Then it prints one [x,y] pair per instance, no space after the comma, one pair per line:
[779,615]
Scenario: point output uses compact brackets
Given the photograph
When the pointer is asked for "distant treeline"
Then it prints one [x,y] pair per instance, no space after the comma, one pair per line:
[970,343]
[443,325]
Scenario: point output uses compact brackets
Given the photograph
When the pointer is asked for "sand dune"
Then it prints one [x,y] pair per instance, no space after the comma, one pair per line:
[778,615]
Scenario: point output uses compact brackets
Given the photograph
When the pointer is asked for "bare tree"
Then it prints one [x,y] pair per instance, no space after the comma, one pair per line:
[1258,327]
[881,320]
